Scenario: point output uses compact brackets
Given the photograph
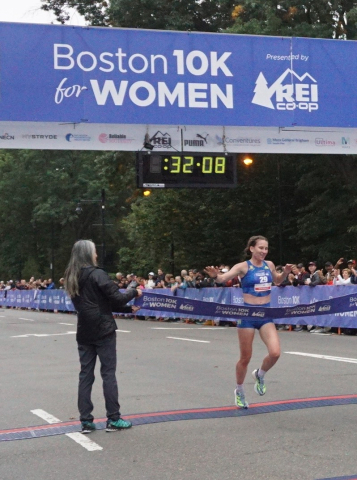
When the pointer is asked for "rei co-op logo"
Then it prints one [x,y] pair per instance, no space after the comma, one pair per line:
[161,140]
[288,92]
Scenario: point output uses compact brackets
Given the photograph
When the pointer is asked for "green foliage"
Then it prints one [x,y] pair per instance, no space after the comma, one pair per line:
[316,18]
[326,221]
[208,226]
[94,12]
[40,191]
[194,15]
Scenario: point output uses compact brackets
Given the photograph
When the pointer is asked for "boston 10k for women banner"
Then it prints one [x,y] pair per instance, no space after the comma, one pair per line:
[83,75]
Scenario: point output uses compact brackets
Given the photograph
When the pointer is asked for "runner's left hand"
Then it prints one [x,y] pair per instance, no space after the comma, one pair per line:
[287,268]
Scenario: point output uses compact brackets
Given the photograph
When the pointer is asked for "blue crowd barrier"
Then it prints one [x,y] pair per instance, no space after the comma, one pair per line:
[281,297]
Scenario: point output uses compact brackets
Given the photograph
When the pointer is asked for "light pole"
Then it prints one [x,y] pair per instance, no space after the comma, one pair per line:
[52,251]
[172,256]
[101,201]
[102,210]
[280,213]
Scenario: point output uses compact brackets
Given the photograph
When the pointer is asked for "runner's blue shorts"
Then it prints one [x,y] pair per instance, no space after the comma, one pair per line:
[252,322]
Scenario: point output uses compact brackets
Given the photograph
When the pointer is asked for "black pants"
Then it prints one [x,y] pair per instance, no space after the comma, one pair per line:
[105,349]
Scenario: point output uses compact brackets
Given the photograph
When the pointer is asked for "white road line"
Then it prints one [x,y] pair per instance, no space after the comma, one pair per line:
[28,319]
[187,328]
[323,334]
[2,316]
[42,335]
[84,441]
[189,340]
[123,331]
[59,323]
[325,357]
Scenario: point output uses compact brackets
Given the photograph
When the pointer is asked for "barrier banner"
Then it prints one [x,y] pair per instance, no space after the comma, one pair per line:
[334,306]
[68,74]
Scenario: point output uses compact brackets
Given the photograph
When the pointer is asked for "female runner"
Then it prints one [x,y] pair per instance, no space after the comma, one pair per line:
[257,276]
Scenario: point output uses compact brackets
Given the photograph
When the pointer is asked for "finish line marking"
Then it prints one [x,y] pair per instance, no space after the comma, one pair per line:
[70,324]
[324,357]
[80,438]
[189,340]
[353,477]
[62,428]
[27,319]
[123,331]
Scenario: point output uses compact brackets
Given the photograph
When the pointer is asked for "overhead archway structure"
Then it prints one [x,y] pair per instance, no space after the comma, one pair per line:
[90,88]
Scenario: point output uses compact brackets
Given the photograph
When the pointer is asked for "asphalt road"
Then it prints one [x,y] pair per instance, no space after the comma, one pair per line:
[156,373]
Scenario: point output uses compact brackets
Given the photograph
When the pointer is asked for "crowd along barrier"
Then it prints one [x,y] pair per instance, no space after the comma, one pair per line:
[58,300]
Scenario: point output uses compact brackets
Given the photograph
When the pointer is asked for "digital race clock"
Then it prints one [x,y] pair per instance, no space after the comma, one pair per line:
[185,170]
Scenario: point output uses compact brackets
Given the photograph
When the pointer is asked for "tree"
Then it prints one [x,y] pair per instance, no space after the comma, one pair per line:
[194,15]
[315,18]
[94,12]
[210,226]
[40,191]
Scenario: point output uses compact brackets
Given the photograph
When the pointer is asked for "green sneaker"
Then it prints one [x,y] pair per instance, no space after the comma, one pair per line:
[88,427]
[259,386]
[120,424]
[239,399]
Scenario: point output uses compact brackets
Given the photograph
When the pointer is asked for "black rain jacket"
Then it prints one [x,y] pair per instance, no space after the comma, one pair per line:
[98,298]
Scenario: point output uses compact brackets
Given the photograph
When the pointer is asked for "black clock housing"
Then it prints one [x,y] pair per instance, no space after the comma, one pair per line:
[186,170]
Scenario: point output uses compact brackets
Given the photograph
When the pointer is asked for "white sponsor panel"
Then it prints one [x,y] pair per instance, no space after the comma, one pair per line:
[196,138]
[181,138]
[162,137]
[54,136]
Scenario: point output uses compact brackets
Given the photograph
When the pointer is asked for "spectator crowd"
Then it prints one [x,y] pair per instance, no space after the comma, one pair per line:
[32,284]
[342,273]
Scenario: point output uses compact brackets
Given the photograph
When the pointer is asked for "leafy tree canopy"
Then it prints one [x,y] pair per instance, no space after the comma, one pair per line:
[298,18]
[194,15]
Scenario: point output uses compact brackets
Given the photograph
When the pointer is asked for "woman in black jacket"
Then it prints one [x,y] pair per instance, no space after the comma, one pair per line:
[95,297]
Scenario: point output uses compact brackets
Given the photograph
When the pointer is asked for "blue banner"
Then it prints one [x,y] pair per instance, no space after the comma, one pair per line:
[334,306]
[189,307]
[55,73]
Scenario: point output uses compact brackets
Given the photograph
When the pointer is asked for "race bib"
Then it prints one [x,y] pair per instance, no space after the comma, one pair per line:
[262,283]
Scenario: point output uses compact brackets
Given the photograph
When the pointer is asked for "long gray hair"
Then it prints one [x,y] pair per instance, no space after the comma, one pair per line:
[83,255]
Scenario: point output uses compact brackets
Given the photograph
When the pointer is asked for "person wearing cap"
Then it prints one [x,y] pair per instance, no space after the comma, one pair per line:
[257,276]
[150,283]
[315,277]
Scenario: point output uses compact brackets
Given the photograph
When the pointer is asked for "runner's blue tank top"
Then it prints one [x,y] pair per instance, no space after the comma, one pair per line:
[257,281]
